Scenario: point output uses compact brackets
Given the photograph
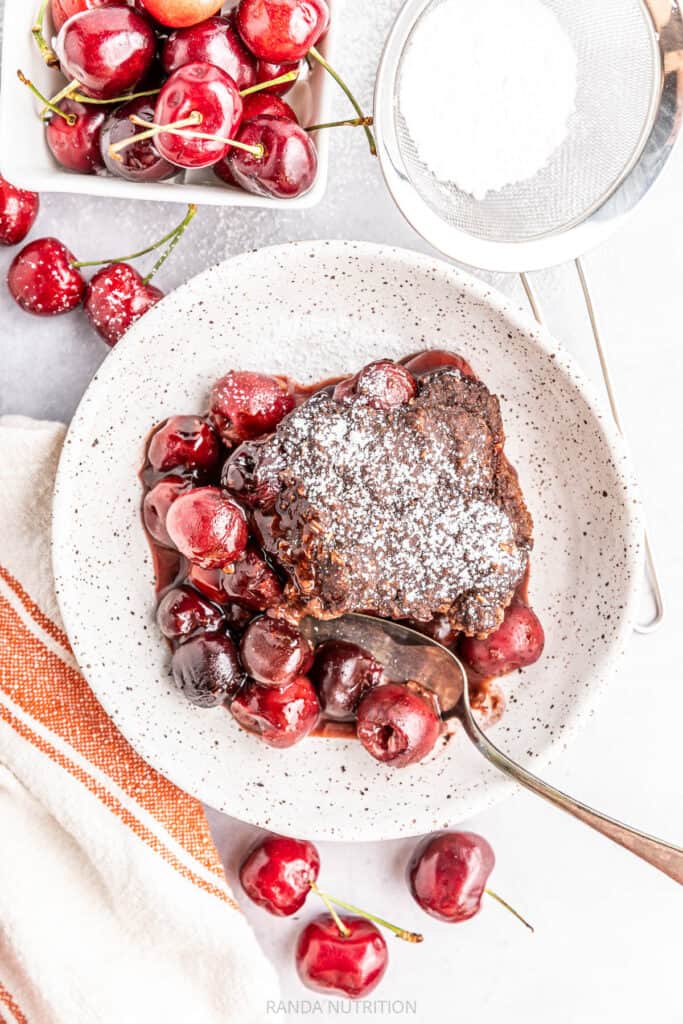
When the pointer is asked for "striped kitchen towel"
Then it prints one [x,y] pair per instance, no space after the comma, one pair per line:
[113,903]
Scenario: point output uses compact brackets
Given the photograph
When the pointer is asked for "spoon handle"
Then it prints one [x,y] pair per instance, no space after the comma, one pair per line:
[661,855]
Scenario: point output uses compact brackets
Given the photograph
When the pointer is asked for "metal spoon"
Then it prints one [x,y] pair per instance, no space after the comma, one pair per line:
[406,654]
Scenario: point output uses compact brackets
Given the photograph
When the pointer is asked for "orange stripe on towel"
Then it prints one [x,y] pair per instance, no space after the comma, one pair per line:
[58,697]
[8,1000]
[32,608]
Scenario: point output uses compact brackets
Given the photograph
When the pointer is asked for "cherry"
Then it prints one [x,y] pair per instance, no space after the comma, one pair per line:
[255,490]
[76,146]
[277,873]
[184,441]
[214,41]
[265,104]
[396,725]
[267,71]
[448,872]
[343,673]
[437,628]
[62,10]
[181,13]
[107,50]
[518,642]
[282,30]
[42,279]
[208,528]
[288,164]
[386,384]
[274,652]
[244,405]
[204,90]
[206,669]
[280,716]
[252,582]
[436,359]
[18,211]
[140,161]
[182,612]
[117,296]
[156,504]
[351,964]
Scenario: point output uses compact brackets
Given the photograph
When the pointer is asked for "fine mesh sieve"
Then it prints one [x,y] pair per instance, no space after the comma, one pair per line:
[629,103]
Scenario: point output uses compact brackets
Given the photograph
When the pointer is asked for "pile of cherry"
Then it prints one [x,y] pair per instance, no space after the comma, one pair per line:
[214,604]
[209,89]
[346,953]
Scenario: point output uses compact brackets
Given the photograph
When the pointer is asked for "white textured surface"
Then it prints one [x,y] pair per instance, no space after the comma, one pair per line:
[607,947]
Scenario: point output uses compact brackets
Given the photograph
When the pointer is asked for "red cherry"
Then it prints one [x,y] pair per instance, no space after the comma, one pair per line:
[206,669]
[267,104]
[214,41]
[277,872]
[62,10]
[239,476]
[343,673]
[273,652]
[244,405]
[184,441]
[267,71]
[349,965]
[117,297]
[282,30]
[396,725]
[289,162]
[157,502]
[77,146]
[386,384]
[448,872]
[518,642]
[108,50]
[208,528]
[181,13]
[202,89]
[182,612]
[250,581]
[42,279]
[18,211]
[280,716]
[140,161]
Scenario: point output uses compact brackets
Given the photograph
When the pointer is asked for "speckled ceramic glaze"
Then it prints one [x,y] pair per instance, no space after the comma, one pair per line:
[314,310]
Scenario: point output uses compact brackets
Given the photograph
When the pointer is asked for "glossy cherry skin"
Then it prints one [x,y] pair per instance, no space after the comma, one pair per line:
[18,211]
[282,30]
[448,872]
[250,581]
[77,146]
[141,161]
[277,873]
[206,669]
[244,405]
[274,652]
[208,528]
[349,966]
[181,13]
[42,279]
[240,478]
[182,612]
[156,504]
[289,163]
[396,725]
[210,92]
[109,50]
[214,41]
[386,384]
[116,297]
[62,10]
[266,104]
[343,673]
[280,716]
[267,71]
[517,642]
[186,442]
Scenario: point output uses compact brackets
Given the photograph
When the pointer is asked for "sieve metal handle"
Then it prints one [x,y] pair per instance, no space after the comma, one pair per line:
[650,567]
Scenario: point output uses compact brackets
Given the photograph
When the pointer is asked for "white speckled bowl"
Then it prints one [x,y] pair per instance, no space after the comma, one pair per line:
[315,310]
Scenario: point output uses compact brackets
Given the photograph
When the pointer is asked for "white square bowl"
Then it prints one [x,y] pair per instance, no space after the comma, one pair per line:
[26,161]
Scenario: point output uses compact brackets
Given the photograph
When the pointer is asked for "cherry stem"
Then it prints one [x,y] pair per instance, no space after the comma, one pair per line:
[179,232]
[400,932]
[353,122]
[341,927]
[115,99]
[289,76]
[180,128]
[345,89]
[499,899]
[61,95]
[170,236]
[38,33]
[47,104]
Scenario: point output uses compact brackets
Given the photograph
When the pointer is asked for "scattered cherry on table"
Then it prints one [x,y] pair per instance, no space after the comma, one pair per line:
[42,278]
[350,964]
[18,211]
[277,873]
